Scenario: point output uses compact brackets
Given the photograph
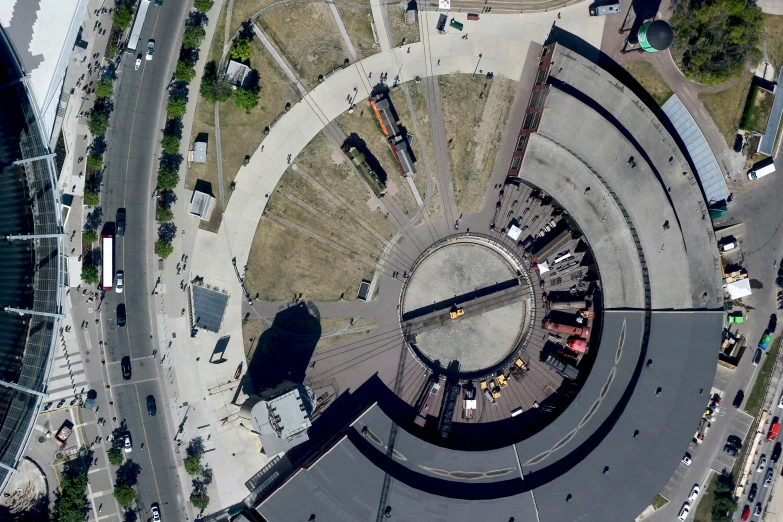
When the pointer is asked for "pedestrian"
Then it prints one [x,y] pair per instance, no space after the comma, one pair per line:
[438,61]
[409,50]
[587,190]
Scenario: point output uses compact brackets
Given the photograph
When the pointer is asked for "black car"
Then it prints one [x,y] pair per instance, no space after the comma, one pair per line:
[773,323]
[126,368]
[120,222]
[152,409]
[730,450]
[757,512]
[775,453]
[738,143]
[752,493]
[735,441]
[121,318]
[739,398]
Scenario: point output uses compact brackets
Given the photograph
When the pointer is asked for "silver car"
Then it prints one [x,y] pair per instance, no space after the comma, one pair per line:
[768,480]
[150,49]
[120,282]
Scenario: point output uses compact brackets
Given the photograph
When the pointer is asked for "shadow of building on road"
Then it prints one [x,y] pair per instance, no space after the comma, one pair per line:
[283,352]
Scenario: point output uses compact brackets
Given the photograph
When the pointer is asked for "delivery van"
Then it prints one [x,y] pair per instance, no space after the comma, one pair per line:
[761,169]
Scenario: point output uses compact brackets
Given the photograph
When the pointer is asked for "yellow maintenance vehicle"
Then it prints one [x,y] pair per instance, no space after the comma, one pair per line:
[457,313]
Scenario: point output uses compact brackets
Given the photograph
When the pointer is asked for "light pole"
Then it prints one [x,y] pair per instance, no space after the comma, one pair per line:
[477,64]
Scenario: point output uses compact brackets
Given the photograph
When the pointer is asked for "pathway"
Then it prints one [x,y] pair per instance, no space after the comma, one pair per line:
[343,32]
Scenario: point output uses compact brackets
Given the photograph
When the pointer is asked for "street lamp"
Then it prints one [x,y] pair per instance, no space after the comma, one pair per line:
[477,64]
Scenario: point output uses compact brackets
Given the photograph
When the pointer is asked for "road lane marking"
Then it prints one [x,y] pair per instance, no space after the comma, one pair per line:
[152,465]
[134,383]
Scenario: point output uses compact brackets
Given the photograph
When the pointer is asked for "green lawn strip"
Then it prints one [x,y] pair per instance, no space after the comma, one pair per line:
[659,501]
[756,397]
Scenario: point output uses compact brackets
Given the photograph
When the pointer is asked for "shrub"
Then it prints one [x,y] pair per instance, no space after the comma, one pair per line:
[203,5]
[184,72]
[125,495]
[98,124]
[193,36]
[176,106]
[167,177]
[122,16]
[91,198]
[170,143]
[246,98]
[94,161]
[90,274]
[163,248]
[104,88]
[89,236]
[241,50]
[165,215]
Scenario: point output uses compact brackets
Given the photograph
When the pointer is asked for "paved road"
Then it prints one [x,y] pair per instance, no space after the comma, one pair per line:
[128,183]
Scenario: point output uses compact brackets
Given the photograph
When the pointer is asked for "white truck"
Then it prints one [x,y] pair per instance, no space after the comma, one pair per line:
[761,169]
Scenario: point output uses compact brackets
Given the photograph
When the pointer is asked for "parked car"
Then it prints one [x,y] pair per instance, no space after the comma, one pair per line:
[127,442]
[734,441]
[775,453]
[126,368]
[121,317]
[745,513]
[773,323]
[762,463]
[686,508]
[152,408]
[738,399]
[738,143]
[730,450]
[120,227]
[757,357]
[768,479]
[687,459]
[780,402]
[757,512]
[752,493]
[694,493]
[118,287]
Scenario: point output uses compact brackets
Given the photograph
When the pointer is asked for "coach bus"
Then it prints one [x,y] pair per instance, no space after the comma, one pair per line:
[107,263]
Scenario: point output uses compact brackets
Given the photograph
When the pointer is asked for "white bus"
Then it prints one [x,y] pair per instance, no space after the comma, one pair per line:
[107,261]
[133,42]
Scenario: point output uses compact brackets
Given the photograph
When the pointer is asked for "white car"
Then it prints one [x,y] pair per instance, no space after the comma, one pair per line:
[762,463]
[155,509]
[150,49]
[780,402]
[120,282]
[694,493]
[686,459]
[128,445]
[686,508]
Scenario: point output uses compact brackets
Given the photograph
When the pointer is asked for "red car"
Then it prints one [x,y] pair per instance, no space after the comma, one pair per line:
[745,513]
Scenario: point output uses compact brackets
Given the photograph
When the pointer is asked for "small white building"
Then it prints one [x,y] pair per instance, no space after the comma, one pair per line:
[236,73]
[201,205]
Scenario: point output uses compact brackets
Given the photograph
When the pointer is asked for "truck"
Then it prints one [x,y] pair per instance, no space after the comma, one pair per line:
[566,370]
[577,304]
[773,431]
[576,331]
[429,400]
[459,312]
[441,25]
[765,340]
[578,345]
[473,16]
[469,401]
[456,25]
[64,432]
[701,432]
[761,169]
[602,10]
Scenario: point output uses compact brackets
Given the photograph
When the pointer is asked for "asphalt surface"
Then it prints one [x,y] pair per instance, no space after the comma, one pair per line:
[129,180]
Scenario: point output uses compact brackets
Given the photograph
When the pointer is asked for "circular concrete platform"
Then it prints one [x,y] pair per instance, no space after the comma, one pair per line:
[453,276]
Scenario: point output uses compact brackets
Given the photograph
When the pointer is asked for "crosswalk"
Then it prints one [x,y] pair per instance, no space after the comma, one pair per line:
[68,379]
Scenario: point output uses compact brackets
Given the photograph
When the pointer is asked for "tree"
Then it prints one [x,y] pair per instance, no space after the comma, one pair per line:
[90,274]
[715,38]
[167,177]
[241,50]
[214,88]
[104,88]
[170,143]
[193,465]
[177,106]
[192,37]
[165,215]
[199,501]
[246,98]
[122,16]
[116,456]
[203,5]
[94,161]
[184,72]
[98,124]
[163,248]
[89,236]
[91,198]
[71,503]
[125,494]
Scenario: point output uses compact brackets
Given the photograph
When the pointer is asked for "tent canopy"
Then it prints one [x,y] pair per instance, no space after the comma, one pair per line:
[739,288]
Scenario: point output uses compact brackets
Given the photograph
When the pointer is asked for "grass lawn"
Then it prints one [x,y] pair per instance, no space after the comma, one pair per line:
[252,329]
[757,109]
[659,501]
[398,28]
[244,9]
[419,103]
[773,34]
[703,511]
[319,218]
[474,112]
[756,396]
[725,107]
[364,123]
[650,79]
[357,24]
[307,36]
